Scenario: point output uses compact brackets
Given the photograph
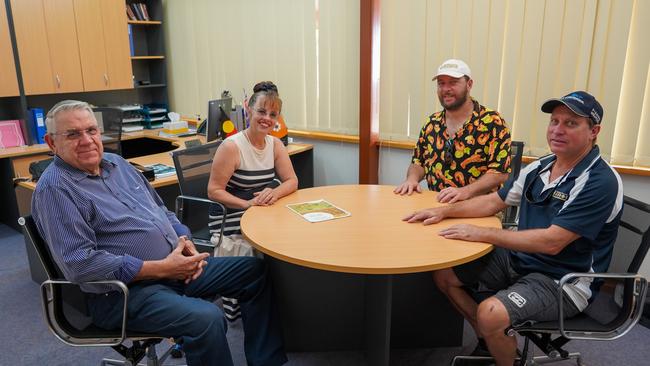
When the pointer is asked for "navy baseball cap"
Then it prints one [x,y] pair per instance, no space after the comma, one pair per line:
[580,102]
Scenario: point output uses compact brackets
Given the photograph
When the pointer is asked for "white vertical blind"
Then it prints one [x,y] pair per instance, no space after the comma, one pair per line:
[309,48]
[521,53]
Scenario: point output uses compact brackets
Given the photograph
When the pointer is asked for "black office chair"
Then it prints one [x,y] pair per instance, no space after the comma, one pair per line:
[511,214]
[192,206]
[64,306]
[110,121]
[615,308]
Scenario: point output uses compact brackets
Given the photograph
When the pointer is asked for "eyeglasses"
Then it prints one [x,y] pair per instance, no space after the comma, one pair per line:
[76,134]
[448,151]
[544,196]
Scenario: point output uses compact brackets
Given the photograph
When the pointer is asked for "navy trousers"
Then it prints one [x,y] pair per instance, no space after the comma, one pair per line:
[172,309]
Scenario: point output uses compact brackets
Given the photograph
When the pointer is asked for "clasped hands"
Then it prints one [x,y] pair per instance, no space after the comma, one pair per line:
[265,197]
[185,262]
[435,215]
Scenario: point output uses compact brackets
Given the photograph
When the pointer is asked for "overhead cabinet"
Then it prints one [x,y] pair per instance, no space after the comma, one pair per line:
[8,80]
[47,45]
[72,45]
[103,44]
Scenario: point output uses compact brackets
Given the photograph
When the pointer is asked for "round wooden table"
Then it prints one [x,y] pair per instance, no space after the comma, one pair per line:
[373,241]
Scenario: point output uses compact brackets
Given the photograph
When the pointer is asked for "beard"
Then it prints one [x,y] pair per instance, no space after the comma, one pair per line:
[460,100]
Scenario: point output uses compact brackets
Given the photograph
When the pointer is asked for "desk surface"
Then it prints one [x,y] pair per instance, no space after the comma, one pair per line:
[163,158]
[373,240]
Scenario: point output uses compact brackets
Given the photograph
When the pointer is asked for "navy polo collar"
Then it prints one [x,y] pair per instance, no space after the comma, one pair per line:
[585,164]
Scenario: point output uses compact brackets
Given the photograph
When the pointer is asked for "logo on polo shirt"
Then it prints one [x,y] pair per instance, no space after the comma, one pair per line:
[560,196]
[517,299]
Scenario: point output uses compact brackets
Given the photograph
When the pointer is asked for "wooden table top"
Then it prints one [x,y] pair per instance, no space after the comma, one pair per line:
[373,240]
[162,158]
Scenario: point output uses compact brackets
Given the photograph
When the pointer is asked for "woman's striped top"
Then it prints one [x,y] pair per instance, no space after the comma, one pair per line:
[255,172]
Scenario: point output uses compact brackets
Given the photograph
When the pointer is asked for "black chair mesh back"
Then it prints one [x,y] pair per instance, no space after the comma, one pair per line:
[632,240]
[69,302]
[631,247]
[516,154]
[110,121]
[34,238]
[193,168]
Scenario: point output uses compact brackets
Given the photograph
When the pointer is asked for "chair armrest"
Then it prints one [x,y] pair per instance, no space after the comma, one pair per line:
[635,296]
[179,210]
[48,299]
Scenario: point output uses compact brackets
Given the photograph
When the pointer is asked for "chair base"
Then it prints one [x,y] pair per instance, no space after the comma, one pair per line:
[151,354]
[528,361]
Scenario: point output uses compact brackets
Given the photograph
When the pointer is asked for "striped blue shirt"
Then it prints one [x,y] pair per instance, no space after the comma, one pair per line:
[102,227]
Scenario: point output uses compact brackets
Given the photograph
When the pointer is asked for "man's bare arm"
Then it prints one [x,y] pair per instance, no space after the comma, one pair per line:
[480,206]
[548,241]
[485,184]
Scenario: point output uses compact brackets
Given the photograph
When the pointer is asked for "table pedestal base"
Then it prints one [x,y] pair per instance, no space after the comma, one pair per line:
[332,311]
[378,305]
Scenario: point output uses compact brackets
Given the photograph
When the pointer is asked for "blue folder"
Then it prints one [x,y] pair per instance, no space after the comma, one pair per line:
[37,119]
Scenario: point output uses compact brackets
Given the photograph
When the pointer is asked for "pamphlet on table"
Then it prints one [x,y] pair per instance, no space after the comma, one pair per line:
[317,211]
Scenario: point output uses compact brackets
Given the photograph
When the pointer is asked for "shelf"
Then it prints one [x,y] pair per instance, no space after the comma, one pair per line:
[147,57]
[144,22]
[150,86]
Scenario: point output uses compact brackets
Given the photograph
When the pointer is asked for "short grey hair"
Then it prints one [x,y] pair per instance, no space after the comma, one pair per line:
[62,106]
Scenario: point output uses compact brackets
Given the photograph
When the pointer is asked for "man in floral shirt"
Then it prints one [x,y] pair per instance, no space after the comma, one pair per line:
[464,150]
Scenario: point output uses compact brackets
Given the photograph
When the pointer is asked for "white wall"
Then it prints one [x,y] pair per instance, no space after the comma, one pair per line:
[338,162]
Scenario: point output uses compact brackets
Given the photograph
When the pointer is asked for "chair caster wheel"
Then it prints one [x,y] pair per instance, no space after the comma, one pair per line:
[177,351]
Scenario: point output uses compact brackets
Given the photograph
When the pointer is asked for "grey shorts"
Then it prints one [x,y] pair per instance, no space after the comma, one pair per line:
[531,297]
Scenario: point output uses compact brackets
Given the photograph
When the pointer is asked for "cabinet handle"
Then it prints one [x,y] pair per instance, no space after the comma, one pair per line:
[106,79]
[58,81]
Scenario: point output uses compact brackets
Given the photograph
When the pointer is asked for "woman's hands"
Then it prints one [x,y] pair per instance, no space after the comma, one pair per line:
[265,197]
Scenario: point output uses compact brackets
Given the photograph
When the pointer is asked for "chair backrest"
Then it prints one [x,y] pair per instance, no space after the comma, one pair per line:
[516,154]
[632,243]
[193,168]
[633,239]
[64,305]
[110,120]
[34,238]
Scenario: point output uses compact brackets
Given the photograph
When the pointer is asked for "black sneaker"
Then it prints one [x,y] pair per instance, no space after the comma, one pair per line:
[479,357]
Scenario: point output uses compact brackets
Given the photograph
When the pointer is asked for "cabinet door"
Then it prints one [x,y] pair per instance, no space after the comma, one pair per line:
[92,49]
[118,53]
[8,80]
[33,50]
[62,41]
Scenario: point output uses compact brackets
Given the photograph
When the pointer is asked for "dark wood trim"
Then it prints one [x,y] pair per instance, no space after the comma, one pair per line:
[369,39]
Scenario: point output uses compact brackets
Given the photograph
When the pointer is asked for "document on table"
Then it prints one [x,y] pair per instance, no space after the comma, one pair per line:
[317,211]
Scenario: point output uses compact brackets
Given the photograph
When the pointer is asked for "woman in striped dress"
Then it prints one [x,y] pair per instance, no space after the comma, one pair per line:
[250,168]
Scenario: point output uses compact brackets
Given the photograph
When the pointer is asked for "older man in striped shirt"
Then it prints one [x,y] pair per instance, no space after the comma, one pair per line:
[102,220]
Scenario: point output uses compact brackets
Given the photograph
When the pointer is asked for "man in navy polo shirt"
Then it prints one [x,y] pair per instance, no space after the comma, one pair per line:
[570,205]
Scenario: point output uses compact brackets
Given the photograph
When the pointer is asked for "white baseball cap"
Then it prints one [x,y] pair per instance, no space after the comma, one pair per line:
[454,68]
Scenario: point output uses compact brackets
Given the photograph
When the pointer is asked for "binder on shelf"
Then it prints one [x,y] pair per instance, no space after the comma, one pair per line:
[11,134]
[37,122]
[131,47]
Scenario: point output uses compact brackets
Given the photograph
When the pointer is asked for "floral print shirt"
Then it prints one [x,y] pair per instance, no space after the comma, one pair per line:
[481,145]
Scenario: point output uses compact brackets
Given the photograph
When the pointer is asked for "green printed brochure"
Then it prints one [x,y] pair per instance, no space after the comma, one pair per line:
[317,211]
